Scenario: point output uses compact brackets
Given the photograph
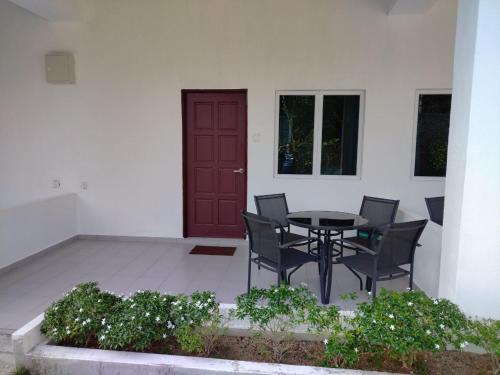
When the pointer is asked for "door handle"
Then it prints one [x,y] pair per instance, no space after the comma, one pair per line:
[240,171]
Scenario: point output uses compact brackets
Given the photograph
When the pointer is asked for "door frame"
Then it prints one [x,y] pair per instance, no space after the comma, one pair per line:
[184,93]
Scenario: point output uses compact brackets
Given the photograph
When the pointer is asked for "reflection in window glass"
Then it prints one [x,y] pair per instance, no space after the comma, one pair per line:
[339,143]
[433,124]
[296,134]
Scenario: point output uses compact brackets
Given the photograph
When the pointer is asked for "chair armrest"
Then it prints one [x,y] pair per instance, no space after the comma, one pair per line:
[356,245]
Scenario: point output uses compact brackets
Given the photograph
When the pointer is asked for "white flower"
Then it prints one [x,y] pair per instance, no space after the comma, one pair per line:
[68,332]
[55,330]
[103,321]
[55,308]
[84,323]
[356,350]
[98,300]
[147,314]
[291,289]
[121,324]
[81,309]
[435,301]
[369,293]
[464,344]
[67,327]
[408,288]
[157,318]
[139,328]
[88,320]
[437,346]
[392,328]
[102,337]
[77,319]
[164,336]
[428,332]
[374,321]
[133,317]
[325,341]
[410,303]
[132,305]
[441,326]
[391,316]
[108,327]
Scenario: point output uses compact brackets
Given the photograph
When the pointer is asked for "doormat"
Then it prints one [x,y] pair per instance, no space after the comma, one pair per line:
[213,250]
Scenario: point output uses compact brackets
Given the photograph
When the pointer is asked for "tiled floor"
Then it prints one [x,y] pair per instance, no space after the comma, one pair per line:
[124,267]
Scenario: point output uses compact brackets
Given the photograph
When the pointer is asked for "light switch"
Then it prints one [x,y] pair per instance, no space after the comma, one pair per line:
[60,68]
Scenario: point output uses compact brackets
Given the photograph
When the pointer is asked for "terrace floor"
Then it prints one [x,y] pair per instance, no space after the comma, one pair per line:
[167,266]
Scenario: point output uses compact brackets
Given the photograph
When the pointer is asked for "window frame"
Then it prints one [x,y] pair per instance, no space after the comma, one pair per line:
[318,134]
[419,92]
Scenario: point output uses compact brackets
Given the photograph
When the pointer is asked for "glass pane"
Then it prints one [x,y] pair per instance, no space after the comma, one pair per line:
[296,134]
[339,141]
[433,124]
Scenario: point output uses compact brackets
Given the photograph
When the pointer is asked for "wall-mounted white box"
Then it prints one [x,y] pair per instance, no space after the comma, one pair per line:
[60,67]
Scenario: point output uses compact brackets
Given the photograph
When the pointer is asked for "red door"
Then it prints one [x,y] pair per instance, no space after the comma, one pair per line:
[214,163]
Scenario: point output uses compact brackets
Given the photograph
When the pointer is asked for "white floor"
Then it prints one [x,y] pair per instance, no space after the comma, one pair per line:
[125,267]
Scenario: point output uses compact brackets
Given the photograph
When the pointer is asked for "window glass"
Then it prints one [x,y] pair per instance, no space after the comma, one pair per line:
[339,143]
[296,134]
[433,122]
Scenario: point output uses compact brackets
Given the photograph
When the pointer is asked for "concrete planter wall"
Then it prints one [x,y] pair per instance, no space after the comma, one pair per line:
[31,350]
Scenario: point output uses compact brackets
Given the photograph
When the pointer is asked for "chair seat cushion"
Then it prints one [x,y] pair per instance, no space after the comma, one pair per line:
[290,258]
[363,263]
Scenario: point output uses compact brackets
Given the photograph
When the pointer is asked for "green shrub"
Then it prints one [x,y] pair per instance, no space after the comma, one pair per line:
[275,313]
[137,322]
[486,334]
[197,321]
[400,325]
[77,316]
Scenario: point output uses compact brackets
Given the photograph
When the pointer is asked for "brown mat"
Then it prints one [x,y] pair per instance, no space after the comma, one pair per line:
[213,250]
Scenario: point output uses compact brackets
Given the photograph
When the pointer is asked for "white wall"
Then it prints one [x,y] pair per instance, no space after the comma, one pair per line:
[119,127]
[470,264]
[28,228]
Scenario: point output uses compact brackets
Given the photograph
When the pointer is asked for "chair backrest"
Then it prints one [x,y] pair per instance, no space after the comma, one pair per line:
[273,206]
[262,236]
[398,243]
[435,206]
[379,211]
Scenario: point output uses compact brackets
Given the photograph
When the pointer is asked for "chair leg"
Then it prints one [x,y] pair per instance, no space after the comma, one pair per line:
[374,288]
[249,272]
[368,284]
[279,277]
[411,277]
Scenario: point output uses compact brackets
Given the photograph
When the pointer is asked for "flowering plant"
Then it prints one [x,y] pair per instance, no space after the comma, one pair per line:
[77,316]
[197,321]
[137,322]
[400,325]
[275,313]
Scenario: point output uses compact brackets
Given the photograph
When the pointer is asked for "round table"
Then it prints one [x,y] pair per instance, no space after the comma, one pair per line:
[324,223]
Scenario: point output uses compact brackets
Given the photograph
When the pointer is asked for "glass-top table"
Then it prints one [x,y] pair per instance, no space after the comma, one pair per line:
[324,223]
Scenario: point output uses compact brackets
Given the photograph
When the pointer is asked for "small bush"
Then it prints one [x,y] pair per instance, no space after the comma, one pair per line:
[275,313]
[196,321]
[77,316]
[137,322]
[21,371]
[486,334]
[400,325]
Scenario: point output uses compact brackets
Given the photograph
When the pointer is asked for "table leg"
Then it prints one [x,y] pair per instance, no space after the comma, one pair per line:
[326,269]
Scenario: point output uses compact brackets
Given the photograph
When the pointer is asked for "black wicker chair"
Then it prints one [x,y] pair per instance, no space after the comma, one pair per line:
[435,206]
[383,257]
[270,253]
[379,212]
[275,207]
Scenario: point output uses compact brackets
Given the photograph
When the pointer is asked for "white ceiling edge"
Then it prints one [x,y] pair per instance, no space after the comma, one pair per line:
[53,10]
[396,7]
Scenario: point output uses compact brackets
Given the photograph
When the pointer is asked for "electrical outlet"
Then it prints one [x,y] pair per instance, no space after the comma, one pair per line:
[84,185]
[56,184]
